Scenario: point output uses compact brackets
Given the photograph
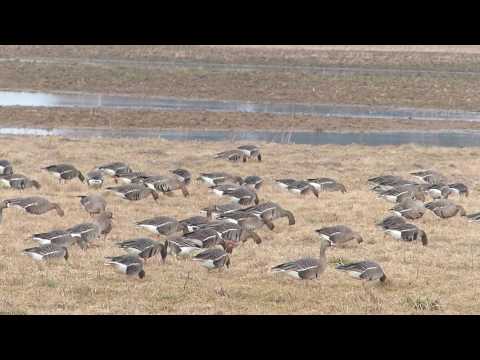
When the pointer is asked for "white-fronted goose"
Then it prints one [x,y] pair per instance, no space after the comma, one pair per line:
[409,209]
[445,209]
[232,155]
[242,195]
[88,232]
[403,192]
[217,178]
[133,192]
[253,182]
[114,168]
[385,179]
[18,181]
[93,204]
[327,184]
[391,221]
[166,184]
[65,172]
[47,252]
[302,188]
[130,177]
[269,212]
[56,237]
[194,223]
[475,217]
[251,151]
[245,219]
[205,238]
[181,247]
[285,183]
[161,225]
[144,247]
[183,175]
[407,232]
[220,189]
[306,268]
[214,211]
[131,265]
[389,185]
[5,167]
[430,176]
[95,179]
[439,191]
[364,270]
[339,234]
[213,258]
[459,189]
[229,231]
[33,205]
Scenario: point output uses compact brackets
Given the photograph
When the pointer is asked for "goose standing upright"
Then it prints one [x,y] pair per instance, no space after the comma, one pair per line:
[5,167]
[93,204]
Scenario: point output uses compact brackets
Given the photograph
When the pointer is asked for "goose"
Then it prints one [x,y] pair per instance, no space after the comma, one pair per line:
[181,247]
[364,270]
[229,231]
[475,217]
[214,211]
[144,248]
[251,151]
[130,177]
[55,237]
[46,252]
[339,234]
[95,179]
[205,238]
[403,192]
[213,258]
[409,209]
[65,172]
[220,189]
[389,185]
[232,155]
[306,268]
[385,179]
[5,167]
[194,223]
[88,232]
[445,209]
[242,195]
[93,204]
[254,182]
[166,184]
[161,225]
[407,232]
[302,188]
[183,175]
[245,219]
[270,211]
[217,178]
[459,189]
[133,192]
[430,176]
[18,181]
[285,183]
[439,191]
[33,205]
[391,221]
[327,184]
[115,168]
[130,265]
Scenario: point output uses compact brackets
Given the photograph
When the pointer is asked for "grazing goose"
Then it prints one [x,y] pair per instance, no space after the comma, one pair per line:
[475,217]
[459,189]
[220,189]
[46,252]
[364,270]
[18,181]
[327,184]
[162,225]
[407,232]
[88,232]
[217,178]
[243,218]
[55,237]
[229,231]
[131,265]
[409,209]
[133,192]
[439,191]
[232,155]
[194,223]
[144,247]
[65,172]
[430,176]
[93,204]
[285,183]
[251,151]
[130,177]
[115,168]
[183,175]
[5,167]
[254,182]
[95,179]
[205,238]
[306,268]
[181,247]
[302,188]
[213,258]
[166,184]
[385,179]
[445,209]
[389,185]
[339,234]
[33,205]
[212,212]
[242,195]
[403,192]
[269,212]
[390,222]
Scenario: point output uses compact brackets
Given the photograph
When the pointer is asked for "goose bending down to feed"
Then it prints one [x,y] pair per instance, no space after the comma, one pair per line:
[95,179]
[306,268]
[407,232]
[130,265]
[162,225]
[403,192]
[93,204]
[214,211]
[339,234]
[242,195]
[115,168]
[86,233]
[33,205]
[166,184]
[254,182]
[130,177]
[194,223]
[270,211]
[232,155]
[439,191]
[217,178]
[430,176]
[144,248]
[391,221]
[285,183]
[445,209]
[364,270]
[234,233]
[219,190]
[409,209]
[183,175]
[385,179]
[213,258]
[327,184]
[204,238]
[18,181]
[65,172]
[475,217]
[181,247]
[245,219]
[55,237]
[133,192]
[302,188]
[251,151]
[459,189]
[47,252]
[5,167]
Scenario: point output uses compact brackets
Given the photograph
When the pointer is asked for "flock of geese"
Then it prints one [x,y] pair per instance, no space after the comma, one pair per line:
[211,237]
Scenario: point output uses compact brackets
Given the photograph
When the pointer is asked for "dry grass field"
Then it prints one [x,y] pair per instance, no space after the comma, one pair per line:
[440,278]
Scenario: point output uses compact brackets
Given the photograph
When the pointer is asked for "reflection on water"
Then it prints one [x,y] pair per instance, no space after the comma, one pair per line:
[449,139]
[12,98]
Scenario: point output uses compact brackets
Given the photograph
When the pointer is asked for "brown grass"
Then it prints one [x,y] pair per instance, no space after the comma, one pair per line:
[440,278]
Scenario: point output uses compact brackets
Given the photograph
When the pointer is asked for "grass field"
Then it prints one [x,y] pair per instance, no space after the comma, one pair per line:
[439,278]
